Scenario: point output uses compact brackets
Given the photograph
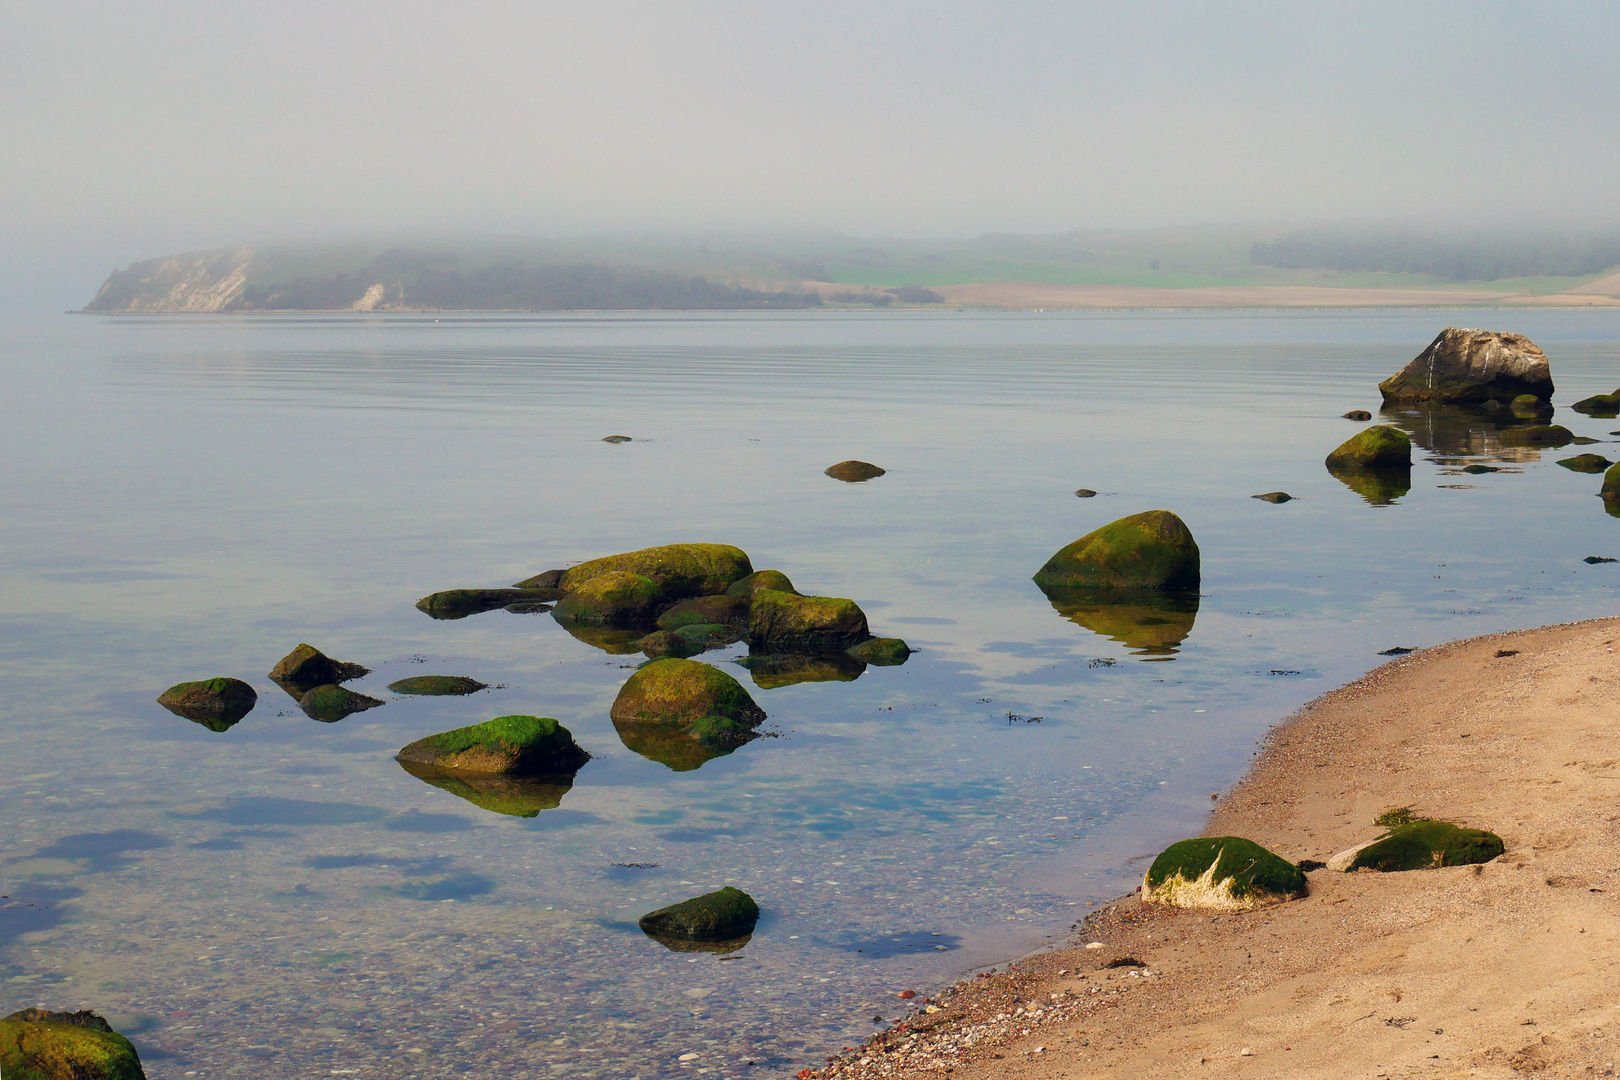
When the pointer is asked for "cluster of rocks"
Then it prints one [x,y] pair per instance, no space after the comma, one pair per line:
[38,1044]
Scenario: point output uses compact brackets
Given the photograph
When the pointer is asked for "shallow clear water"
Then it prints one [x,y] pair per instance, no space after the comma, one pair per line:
[192,497]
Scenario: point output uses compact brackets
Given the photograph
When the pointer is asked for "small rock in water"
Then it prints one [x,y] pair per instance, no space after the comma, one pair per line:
[1274,497]
[1086,493]
[216,704]
[1358,414]
[854,472]
[1476,470]
[306,667]
[437,685]
[332,703]
[1594,559]
[1399,650]
[727,914]
[616,438]
[907,995]
[1585,463]
[1584,440]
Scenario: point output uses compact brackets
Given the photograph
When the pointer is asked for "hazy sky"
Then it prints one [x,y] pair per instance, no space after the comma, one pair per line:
[133,129]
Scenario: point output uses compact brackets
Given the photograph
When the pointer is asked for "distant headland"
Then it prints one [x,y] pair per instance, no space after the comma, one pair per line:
[1206,267]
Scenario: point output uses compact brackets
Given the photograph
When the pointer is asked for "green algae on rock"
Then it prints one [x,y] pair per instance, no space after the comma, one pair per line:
[514,796]
[1585,463]
[216,704]
[726,914]
[774,580]
[779,620]
[332,703]
[1463,365]
[545,579]
[681,570]
[306,667]
[1150,622]
[682,692]
[614,598]
[1378,447]
[854,472]
[437,685]
[1150,550]
[1530,405]
[1420,845]
[518,745]
[1536,435]
[772,671]
[705,611]
[1599,405]
[881,651]
[36,1044]
[1223,873]
[460,603]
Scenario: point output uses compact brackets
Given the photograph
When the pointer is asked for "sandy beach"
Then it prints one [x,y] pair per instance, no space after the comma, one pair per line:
[1498,970]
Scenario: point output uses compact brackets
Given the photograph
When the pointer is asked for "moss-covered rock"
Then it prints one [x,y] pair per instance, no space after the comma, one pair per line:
[216,704]
[1151,550]
[881,651]
[854,472]
[709,635]
[514,796]
[616,598]
[1420,845]
[1274,497]
[682,692]
[717,916]
[332,703]
[781,621]
[306,667]
[705,611]
[1379,487]
[437,685]
[669,643]
[1536,435]
[1529,405]
[774,580]
[545,579]
[772,671]
[1463,365]
[1381,446]
[460,603]
[1586,463]
[1151,622]
[1224,873]
[515,745]
[36,1044]
[1600,405]
[681,570]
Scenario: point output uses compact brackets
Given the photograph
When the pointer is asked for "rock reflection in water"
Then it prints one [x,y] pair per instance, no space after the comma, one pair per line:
[1461,431]
[610,639]
[1151,622]
[1380,487]
[774,670]
[719,948]
[671,745]
[514,796]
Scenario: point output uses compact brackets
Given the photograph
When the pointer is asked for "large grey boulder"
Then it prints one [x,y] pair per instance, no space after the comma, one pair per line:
[1472,366]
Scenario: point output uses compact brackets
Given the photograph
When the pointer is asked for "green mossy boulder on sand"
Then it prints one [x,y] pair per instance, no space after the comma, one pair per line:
[514,796]
[306,667]
[772,671]
[39,1045]
[1379,487]
[545,579]
[1603,405]
[332,703]
[1420,845]
[761,579]
[781,620]
[616,598]
[1463,365]
[1151,550]
[437,685]
[881,651]
[516,745]
[717,916]
[682,692]
[669,643]
[1586,463]
[1378,447]
[1224,873]
[854,472]
[216,704]
[705,611]
[1149,621]
[1536,435]
[681,570]
[459,603]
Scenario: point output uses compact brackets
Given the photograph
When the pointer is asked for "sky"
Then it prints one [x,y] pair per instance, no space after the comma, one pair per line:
[137,128]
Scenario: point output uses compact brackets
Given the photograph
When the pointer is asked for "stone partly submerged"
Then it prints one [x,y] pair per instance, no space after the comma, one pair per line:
[306,667]
[1611,485]
[681,570]
[216,704]
[615,598]
[460,603]
[1606,406]
[723,610]
[1474,366]
[724,915]
[774,580]
[1536,435]
[1274,497]
[507,745]
[1221,873]
[1530,405]
[1379,447]
[1420,845]
[1151,550]
[882,651]
[1358,415]
[37,1044]
[854,472]
[437,685]
[332,703]
[1151,623]
[682,713]
[1585,463]
[786,621]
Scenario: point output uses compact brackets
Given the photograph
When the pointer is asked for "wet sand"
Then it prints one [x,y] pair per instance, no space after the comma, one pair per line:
[1500,970]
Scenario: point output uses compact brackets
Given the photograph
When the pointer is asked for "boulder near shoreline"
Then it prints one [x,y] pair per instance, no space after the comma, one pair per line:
[1491,970]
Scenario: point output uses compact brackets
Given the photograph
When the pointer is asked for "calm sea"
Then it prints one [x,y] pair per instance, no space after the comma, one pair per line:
[189,497]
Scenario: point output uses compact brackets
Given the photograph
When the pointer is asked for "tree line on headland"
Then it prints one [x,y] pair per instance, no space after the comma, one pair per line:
[1484,257]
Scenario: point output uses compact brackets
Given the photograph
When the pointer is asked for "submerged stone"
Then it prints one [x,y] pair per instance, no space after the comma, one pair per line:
[437,685]
[615,598]
[460,603]
[516,745]
[332,703]
[774,580]
[306,667]
[1358,414]
[1223,873]
[37,1044]
[706,611]
[1476,470]
[1151,550]
[854,472]
[1530,405]
[781,621]
[1463,365]
[772,671]
[1084,493]
[1603,405]
[1377,447]
[616,438]
[718,916]
[1536,435]
[881,651]
[1151,622]
[1586,463]
[682,713]
[216,704]
[681,570]
[1274,497]
[514,796]
[1420,845]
